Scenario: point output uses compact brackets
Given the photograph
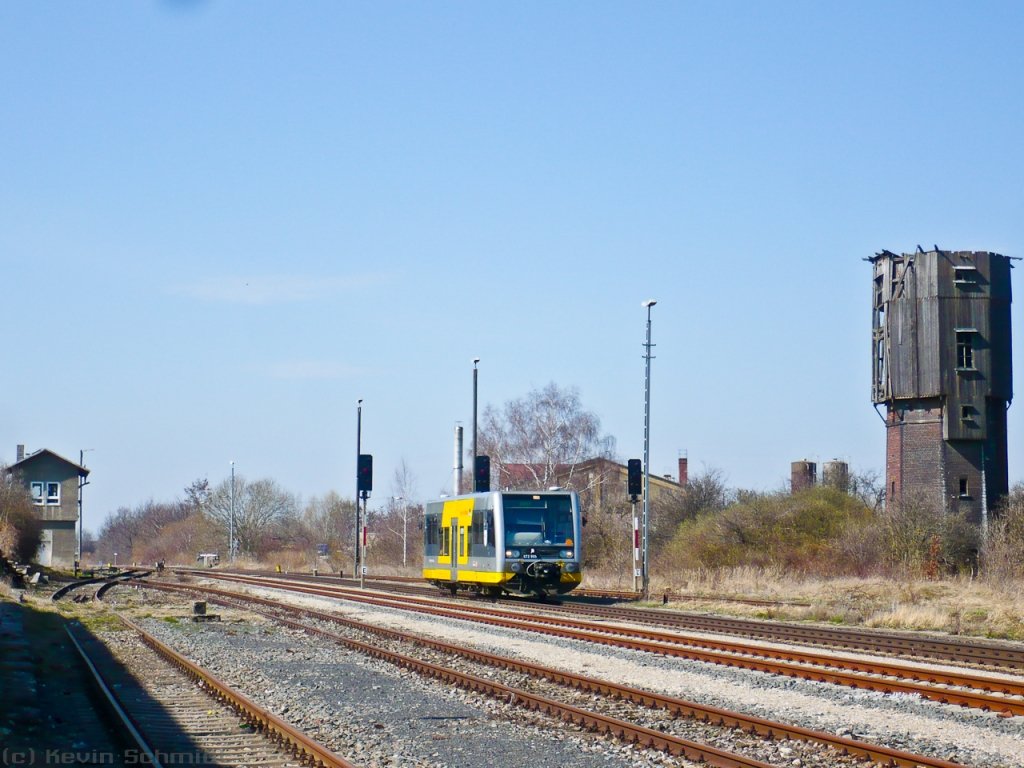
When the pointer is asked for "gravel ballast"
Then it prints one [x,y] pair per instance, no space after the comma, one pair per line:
[377,715]
[969,737]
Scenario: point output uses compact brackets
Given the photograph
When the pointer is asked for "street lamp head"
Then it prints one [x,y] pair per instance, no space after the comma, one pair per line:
[649,303]
[476,360]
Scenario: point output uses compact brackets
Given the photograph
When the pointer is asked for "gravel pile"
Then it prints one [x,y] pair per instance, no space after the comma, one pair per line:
[969,737]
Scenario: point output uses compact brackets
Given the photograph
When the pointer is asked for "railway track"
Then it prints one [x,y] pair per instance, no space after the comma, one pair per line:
[152,690]
[302,618]
[973,652]
[991,693]
[81,587]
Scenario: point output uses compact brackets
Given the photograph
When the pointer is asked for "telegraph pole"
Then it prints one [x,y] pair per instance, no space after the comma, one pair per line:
[82,482]
[646,575]
[359,434]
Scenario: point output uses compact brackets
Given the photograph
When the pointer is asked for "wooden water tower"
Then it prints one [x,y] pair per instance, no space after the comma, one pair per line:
[941,366]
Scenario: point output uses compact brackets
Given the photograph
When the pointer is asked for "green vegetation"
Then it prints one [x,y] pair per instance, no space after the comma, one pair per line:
[808,532]
[102,622]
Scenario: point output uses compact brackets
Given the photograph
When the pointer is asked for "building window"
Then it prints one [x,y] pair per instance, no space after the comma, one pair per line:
[967,412]
[965,491]
[965,350]
[45,493]
[965,276]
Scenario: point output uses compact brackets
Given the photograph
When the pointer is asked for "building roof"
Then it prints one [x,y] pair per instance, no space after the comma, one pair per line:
[82,471]
[524,473]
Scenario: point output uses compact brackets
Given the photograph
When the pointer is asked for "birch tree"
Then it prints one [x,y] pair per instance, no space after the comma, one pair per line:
[546,434]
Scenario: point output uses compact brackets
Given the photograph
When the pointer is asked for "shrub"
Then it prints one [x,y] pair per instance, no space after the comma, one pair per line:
[820,530]
[1003,552]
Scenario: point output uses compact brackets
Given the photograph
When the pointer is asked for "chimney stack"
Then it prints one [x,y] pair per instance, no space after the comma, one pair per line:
[684,475]
[803,475]
[21,452]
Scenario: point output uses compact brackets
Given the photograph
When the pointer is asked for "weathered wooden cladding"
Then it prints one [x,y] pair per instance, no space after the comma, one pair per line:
[941,348]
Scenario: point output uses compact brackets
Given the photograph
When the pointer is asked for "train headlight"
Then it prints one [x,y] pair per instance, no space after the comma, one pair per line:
[567,553]
[517,567]
[512,553]
[571,567]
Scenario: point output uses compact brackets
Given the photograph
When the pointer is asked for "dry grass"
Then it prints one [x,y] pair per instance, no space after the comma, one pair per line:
[961,606]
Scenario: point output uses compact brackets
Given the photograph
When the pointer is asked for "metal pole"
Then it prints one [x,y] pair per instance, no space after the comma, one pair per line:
[647,453]
[359,434]
[635,547]
[457,462]
[78,558]
[475,361]
[231,519]
[405,528]
[82,482]
[362,558]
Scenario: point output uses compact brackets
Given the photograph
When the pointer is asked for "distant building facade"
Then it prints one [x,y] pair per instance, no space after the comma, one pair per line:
[941,366]
[53,483]
[603,480]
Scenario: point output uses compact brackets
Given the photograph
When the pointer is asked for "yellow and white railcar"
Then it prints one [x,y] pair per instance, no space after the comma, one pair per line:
[519,542]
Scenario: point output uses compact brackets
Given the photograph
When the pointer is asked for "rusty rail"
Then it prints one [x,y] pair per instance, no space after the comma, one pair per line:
[775,661]
[631,732]
[306,748]
[762,727]
[974,651]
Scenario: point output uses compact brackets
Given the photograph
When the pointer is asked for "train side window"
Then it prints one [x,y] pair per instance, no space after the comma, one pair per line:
[432,535]
[481,533]
[446,541]
[462,541]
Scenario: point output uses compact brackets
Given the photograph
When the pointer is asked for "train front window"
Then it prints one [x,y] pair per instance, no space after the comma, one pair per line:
[535,519]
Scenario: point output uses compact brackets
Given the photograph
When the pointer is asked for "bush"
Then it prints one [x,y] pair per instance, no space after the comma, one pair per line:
[1003,553]
[820,530]
[919,538]
[19,528]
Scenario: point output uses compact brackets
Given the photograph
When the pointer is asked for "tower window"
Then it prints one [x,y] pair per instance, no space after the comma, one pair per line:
[965,490]
[965,349]
[965,276]
[967,412]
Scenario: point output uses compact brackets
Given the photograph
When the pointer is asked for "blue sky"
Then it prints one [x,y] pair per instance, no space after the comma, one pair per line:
[222,223]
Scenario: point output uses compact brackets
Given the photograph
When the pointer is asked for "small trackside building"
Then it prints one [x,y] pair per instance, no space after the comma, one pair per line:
[53,482]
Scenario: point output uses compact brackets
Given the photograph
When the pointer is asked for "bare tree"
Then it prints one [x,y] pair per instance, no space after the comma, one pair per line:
[197,494]
[546,434]
[331,521]
[396,518]
[868,487]
[20,528]
[119,533]
[1003,551]
[262,511]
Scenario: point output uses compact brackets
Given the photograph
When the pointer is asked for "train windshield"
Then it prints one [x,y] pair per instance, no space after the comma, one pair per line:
[537,519]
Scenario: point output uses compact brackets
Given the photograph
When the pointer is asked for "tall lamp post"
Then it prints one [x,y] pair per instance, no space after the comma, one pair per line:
[359,444]
[405,524]
[231,518]
[476,360]
[645,575]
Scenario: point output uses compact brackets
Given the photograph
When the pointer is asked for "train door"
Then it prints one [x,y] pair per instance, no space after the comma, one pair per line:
[456,548]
